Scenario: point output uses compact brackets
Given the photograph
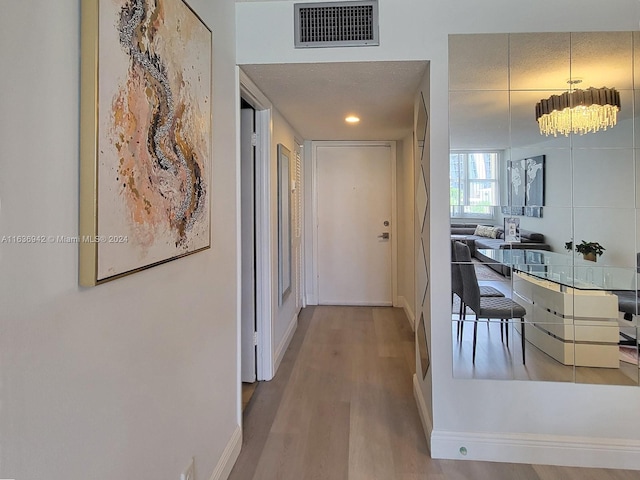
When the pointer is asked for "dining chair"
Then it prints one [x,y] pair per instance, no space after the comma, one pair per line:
[456,289]
[501,308]
[628,299]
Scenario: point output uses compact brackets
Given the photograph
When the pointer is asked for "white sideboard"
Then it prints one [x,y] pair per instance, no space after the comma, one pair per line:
[576,327]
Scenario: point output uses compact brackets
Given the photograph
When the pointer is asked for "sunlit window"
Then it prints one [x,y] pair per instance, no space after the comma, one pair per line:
[473,184]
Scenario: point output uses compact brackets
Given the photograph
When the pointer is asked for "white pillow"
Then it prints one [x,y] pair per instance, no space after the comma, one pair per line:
[487,231]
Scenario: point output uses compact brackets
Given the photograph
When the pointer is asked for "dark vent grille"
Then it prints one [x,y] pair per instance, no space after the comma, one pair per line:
[336,24]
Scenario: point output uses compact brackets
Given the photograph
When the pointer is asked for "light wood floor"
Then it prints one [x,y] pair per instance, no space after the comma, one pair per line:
[341,407]
[248,389]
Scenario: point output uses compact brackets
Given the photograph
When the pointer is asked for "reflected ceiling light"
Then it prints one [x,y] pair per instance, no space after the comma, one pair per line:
[578,111]
[352,119]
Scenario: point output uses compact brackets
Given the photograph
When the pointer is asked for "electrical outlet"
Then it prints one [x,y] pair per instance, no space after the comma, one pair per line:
[189,472]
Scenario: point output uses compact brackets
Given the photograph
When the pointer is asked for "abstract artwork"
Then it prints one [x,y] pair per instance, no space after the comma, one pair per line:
[526,187]
[516,176]
[145,137]
[534,181]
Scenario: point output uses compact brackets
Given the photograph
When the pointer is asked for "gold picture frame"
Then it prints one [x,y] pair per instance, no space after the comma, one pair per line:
[145,140]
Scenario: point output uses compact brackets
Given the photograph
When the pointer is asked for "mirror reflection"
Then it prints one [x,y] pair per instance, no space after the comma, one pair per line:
[545,215]
[424,325]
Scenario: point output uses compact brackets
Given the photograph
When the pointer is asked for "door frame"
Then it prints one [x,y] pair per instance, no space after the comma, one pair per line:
[248,360]
[265,308]
[312,298]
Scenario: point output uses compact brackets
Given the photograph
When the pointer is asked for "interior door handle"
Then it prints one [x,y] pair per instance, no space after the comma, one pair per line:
[384,236]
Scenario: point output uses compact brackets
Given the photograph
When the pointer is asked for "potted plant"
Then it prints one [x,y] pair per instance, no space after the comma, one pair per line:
[590,250]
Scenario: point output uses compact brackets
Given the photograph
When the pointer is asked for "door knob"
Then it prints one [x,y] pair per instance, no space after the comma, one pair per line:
[384,236]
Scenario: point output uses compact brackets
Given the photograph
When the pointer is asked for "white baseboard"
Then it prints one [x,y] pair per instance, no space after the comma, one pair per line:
[229,456]
[537,449]
[311,299]
[284,344]
[616,453]
[425,415]
[408,311]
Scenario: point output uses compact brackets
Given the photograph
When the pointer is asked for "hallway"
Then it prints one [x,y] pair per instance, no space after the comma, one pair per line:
[341,407]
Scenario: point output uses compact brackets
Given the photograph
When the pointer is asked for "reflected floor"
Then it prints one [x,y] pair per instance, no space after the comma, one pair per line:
[496,361]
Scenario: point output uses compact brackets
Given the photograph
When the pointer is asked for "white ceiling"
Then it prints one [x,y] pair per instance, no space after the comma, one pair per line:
[316,97]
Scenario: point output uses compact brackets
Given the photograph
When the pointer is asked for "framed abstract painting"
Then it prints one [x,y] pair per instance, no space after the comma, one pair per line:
[535,181]
[516,171]
[145,139]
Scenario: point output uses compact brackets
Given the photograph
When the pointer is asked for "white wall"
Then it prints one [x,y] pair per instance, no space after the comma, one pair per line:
[467,413]
[132,378]
[589,195]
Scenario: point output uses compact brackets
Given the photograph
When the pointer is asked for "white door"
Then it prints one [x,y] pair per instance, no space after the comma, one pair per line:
[354,205]
[247,189]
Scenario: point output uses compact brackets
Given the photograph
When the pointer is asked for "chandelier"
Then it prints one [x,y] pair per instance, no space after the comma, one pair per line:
[578,111]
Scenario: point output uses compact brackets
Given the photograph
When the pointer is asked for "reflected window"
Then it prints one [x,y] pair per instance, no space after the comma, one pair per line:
[473,184]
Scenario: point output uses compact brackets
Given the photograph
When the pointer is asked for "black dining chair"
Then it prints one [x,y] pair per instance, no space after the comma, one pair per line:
[500,308]
[456,289]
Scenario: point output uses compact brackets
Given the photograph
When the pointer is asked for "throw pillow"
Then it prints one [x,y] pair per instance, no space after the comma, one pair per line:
[487,231]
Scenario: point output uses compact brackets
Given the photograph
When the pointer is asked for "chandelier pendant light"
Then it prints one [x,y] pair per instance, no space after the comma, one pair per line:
[578,111]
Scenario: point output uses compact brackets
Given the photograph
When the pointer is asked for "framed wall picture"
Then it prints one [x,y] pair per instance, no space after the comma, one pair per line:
[511,229]
[146,92]
[534,175]
[516,177]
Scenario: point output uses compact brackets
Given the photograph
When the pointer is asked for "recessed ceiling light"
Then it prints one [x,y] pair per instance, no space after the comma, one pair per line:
[352,119]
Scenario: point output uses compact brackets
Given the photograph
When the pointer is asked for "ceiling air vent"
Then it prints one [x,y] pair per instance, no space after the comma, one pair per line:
[336,24]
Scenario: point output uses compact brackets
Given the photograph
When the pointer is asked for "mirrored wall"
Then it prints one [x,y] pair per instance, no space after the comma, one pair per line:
[528,207]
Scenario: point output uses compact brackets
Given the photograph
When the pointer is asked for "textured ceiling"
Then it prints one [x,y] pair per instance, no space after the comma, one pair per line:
[316,97]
